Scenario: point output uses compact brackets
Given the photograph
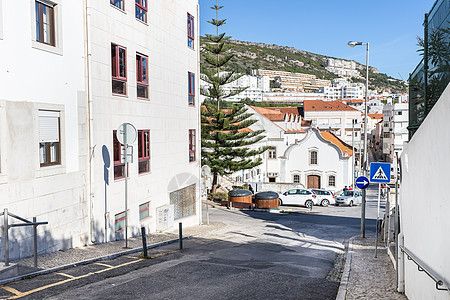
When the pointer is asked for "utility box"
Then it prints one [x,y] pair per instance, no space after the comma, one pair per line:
[165,217]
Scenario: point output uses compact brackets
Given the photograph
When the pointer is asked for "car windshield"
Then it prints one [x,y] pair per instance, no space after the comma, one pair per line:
[347,193]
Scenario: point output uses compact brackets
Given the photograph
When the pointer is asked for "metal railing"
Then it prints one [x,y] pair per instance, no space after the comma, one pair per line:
[423,268]
[6,227]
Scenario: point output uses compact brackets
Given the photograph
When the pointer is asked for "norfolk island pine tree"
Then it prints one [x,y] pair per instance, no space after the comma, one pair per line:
[225,136]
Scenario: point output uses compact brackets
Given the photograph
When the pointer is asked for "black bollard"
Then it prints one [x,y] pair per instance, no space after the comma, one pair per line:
[144,242]
[180,234]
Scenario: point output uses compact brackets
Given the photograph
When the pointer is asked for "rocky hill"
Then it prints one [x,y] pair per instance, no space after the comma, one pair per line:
[250,56]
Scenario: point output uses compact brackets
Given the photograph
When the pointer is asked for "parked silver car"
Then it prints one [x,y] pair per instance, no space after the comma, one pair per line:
[303,197]
[349,198]
[324,197]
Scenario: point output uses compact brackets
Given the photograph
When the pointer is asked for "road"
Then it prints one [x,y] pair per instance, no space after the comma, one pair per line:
[256,255]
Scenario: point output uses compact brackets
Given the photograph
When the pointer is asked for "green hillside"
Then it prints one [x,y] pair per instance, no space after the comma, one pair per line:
[250,56]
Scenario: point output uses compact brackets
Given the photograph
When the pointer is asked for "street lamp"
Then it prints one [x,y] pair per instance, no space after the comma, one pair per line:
[365,158]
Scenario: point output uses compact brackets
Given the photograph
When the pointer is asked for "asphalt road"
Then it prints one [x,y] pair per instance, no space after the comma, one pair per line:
[256,255]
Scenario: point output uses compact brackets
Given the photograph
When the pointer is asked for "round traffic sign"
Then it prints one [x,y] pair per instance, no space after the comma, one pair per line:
[126,133]
[362,182]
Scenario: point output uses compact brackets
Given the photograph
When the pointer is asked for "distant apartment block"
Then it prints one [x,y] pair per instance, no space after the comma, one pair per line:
[395,129]
[293,81]
[342,67]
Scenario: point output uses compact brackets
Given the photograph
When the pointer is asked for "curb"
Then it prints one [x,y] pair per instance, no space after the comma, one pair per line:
[88,261]
[342,292]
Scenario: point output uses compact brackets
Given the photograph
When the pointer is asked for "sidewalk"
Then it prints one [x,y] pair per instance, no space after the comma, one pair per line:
[367,277]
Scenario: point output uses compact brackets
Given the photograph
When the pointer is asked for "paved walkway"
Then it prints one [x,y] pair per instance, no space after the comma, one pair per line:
[368,277]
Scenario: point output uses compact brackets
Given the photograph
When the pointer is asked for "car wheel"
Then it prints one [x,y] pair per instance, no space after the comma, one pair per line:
[351,203]
[337,204]
[280,202]
[309,204]
[325,203]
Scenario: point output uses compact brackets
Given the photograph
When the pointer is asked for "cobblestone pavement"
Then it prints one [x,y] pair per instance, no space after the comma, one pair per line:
[370,277]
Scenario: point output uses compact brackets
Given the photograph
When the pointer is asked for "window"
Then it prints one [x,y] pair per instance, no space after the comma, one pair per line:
[272,153]
[144,211]
[296,179]
[313,158]
[45,22]
[191,88]
[184,202]
[144,151]
[142,76]
[271,179]
[119,167]
[118,3]
[332,180]
[49,138]
[119,69]
[191,145]
[119,221]
[190,31]
[141,10]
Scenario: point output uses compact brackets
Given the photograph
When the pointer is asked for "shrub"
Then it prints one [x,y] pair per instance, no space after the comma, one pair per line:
[218,197]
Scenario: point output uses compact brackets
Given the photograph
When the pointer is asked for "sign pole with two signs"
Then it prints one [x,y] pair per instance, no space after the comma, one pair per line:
[126,134]
[379,173]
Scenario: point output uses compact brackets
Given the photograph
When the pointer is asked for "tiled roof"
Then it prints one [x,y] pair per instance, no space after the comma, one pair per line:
[335,140]
[375,116]
[272,115]
[320,105]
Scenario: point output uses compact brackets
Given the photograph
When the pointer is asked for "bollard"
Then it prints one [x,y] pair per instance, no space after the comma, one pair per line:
[144,241]
[5,236]
[35,242]
[180,233]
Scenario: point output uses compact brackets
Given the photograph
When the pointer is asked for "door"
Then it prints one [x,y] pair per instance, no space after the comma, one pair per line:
[313,182]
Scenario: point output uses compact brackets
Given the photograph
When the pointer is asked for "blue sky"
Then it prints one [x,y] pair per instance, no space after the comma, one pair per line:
[325,26]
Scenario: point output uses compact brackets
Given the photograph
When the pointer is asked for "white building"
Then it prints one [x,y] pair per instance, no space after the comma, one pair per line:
[290,97]
[298,154]
[342,67]
[395,129]
[93,68]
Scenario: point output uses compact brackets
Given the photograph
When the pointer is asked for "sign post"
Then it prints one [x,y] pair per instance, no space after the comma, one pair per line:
[380,173]
[126,133]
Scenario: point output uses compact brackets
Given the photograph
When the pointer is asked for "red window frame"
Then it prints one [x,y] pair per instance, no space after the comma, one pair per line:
[120,4]
[142,73]
[116,65]
[39,11]
[117,152]
[190,26]
[143,150]
[142,4]
[191,88]
[192,142]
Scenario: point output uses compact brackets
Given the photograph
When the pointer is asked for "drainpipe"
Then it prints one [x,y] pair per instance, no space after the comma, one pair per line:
[89,121]
[401,265]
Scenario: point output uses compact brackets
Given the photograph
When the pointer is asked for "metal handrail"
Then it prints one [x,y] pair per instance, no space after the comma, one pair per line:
[421,267]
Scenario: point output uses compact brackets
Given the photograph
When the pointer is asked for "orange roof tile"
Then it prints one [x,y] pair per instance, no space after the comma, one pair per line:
[320,105]
[338,142]
[375,116]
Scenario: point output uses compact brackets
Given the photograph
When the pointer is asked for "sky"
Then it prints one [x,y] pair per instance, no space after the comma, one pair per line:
[325,26]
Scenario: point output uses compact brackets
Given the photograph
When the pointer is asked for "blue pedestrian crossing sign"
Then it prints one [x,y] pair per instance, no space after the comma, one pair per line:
[362,182]
[380,172]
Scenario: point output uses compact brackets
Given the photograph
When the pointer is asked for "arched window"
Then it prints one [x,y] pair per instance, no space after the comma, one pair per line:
[296,178]
[332,180]
[313,158]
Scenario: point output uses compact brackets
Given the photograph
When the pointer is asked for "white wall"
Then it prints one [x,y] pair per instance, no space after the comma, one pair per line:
[35,76]
[424,204]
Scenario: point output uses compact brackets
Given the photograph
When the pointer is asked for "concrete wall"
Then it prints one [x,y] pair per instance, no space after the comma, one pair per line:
[424,202]
[36,76]
[166,113]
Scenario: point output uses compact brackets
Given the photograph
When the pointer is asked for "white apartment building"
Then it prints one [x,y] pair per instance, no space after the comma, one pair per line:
[336,117]
[294,81]
[256,86]
[342,67]
[395,129]
[291,97]
[43,121]
[95,65]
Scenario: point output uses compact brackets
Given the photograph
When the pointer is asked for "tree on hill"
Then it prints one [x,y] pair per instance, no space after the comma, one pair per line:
[225,134]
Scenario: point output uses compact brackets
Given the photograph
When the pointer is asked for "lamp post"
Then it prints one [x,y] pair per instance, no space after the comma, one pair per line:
[365,158]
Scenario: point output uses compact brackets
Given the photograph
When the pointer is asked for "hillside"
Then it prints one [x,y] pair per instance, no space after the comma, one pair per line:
[249,56]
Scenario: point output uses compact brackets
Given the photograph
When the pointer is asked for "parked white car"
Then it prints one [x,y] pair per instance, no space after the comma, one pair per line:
[349,198]
[303,197]
[324,197]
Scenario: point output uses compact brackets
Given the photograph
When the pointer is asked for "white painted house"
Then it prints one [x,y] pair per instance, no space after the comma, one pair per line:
[95,65]
[298,153]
